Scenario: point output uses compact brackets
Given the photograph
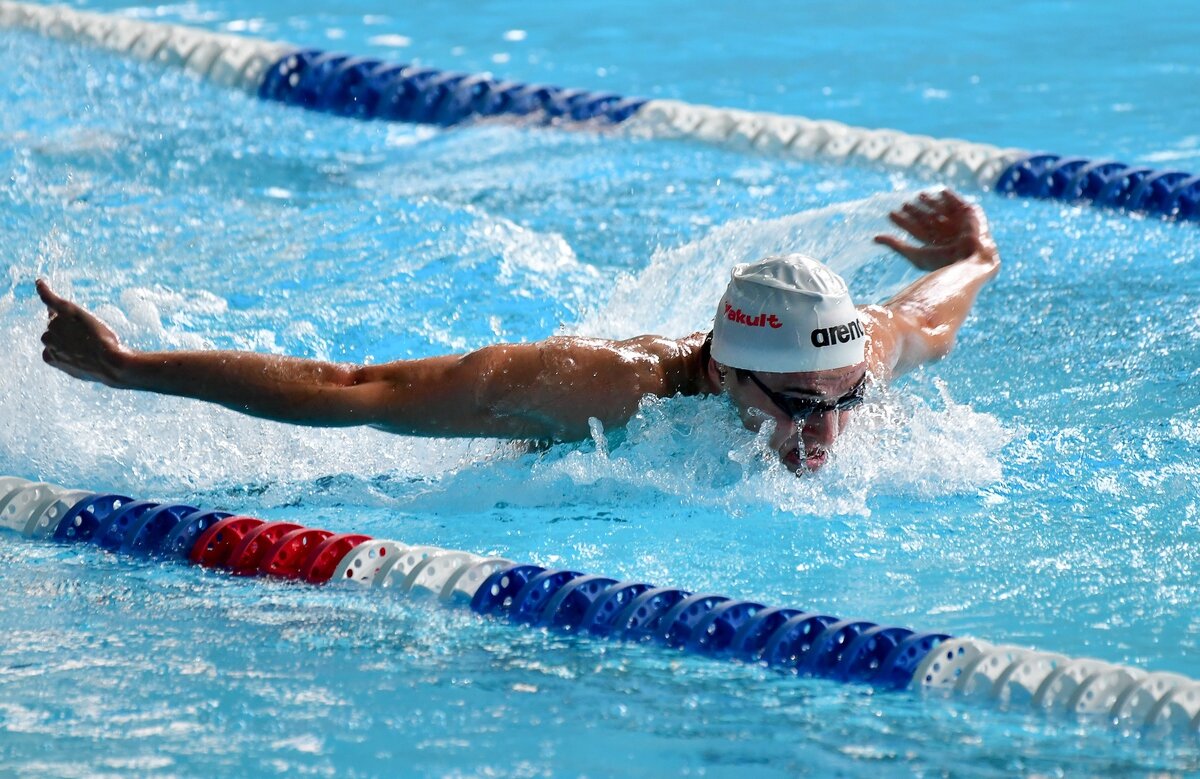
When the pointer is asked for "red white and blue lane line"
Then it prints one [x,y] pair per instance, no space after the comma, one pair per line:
[796,641]
[366,88]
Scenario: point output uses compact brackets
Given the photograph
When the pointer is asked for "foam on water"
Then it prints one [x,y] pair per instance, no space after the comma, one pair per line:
[696,451]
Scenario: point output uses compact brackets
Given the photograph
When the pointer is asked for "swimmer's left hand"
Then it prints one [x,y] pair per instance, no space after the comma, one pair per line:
[948,228]
[77,342]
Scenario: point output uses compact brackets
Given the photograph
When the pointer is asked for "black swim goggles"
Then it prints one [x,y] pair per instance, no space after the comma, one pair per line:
[800,409]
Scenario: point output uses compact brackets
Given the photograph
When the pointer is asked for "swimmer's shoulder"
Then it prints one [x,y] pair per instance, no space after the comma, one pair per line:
[880,323]
[679,362]
[655,364]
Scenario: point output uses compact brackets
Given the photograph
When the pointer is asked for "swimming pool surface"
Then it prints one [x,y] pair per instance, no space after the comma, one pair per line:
[1038,487]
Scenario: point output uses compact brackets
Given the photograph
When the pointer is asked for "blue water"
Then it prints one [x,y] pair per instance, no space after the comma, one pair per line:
[1037,487]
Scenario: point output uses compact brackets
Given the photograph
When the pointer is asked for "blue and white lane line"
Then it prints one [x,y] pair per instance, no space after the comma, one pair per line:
[366,88]
[794,641]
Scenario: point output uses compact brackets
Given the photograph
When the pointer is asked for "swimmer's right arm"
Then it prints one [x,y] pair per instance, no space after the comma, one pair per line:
[546,390]
[953,243]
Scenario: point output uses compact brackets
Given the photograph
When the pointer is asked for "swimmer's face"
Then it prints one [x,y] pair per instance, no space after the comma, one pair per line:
[802,441]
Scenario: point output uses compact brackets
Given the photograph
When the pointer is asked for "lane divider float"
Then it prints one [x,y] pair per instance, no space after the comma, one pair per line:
[795,641]
[367,88]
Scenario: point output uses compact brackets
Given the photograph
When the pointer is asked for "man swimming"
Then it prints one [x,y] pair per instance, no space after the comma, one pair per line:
[787,345]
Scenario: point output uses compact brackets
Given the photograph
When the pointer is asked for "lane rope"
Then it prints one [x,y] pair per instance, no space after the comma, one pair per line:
[794,641]
[367,88]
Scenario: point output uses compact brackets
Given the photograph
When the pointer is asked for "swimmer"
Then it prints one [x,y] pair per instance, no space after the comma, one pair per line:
[787,345]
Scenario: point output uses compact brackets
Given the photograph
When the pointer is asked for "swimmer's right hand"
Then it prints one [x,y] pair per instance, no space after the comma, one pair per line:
[947,228]
[77,342]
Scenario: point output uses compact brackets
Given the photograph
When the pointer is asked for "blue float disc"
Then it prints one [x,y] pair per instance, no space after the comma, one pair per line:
[351,91]
[896,670]
[313,88]
[496,594]
[676,625]
[790,643]
[1185,199]
[400,94]
[529,602]
[639,619]
[1026,177]
[434,92]
[826,654]
[153,527]
[748,643]
[716,629]
[84,518]
[865,656]
[1153,193]
[181,538]
[477,97]
[279,80]
[111,532]
[501,95]
[1057,179]
[1090,179]
[525,99]
[591,105]
[566,608]
[455,99]
[599,616]
[1120,186]
[624,109]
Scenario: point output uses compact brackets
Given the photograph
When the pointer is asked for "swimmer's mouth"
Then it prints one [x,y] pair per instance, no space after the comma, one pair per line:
[797,462]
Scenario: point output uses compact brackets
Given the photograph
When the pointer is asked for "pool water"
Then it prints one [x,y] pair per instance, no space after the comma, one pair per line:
[1037,487]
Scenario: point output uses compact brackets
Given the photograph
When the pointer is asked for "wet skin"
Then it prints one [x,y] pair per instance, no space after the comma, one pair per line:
[802,445]
[550,390]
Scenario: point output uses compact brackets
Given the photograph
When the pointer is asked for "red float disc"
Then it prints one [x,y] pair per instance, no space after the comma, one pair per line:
[291,552]
[324,560]
[244,559]
[213,546]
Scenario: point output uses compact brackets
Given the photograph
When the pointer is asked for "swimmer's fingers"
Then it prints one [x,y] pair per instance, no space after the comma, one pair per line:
[57,304]
[74,317]
[939,217]
[948,209]
[925,204]
[75,341]
[914,223]
[948,227]
[48,296]
[924,258]
[939,207]
[55,360]
[895,244]
[945,200]
[928,211]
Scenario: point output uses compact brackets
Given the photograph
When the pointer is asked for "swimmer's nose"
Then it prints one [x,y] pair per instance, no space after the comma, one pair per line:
[822,428]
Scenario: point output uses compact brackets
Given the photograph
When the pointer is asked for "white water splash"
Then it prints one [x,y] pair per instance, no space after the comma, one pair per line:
[677,292]
[695,451]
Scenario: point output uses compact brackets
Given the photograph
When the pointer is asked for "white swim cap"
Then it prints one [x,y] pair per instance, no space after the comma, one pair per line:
[787,314]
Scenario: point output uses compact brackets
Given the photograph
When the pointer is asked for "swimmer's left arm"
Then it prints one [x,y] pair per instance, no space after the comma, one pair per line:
[921,322]
[547,390]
